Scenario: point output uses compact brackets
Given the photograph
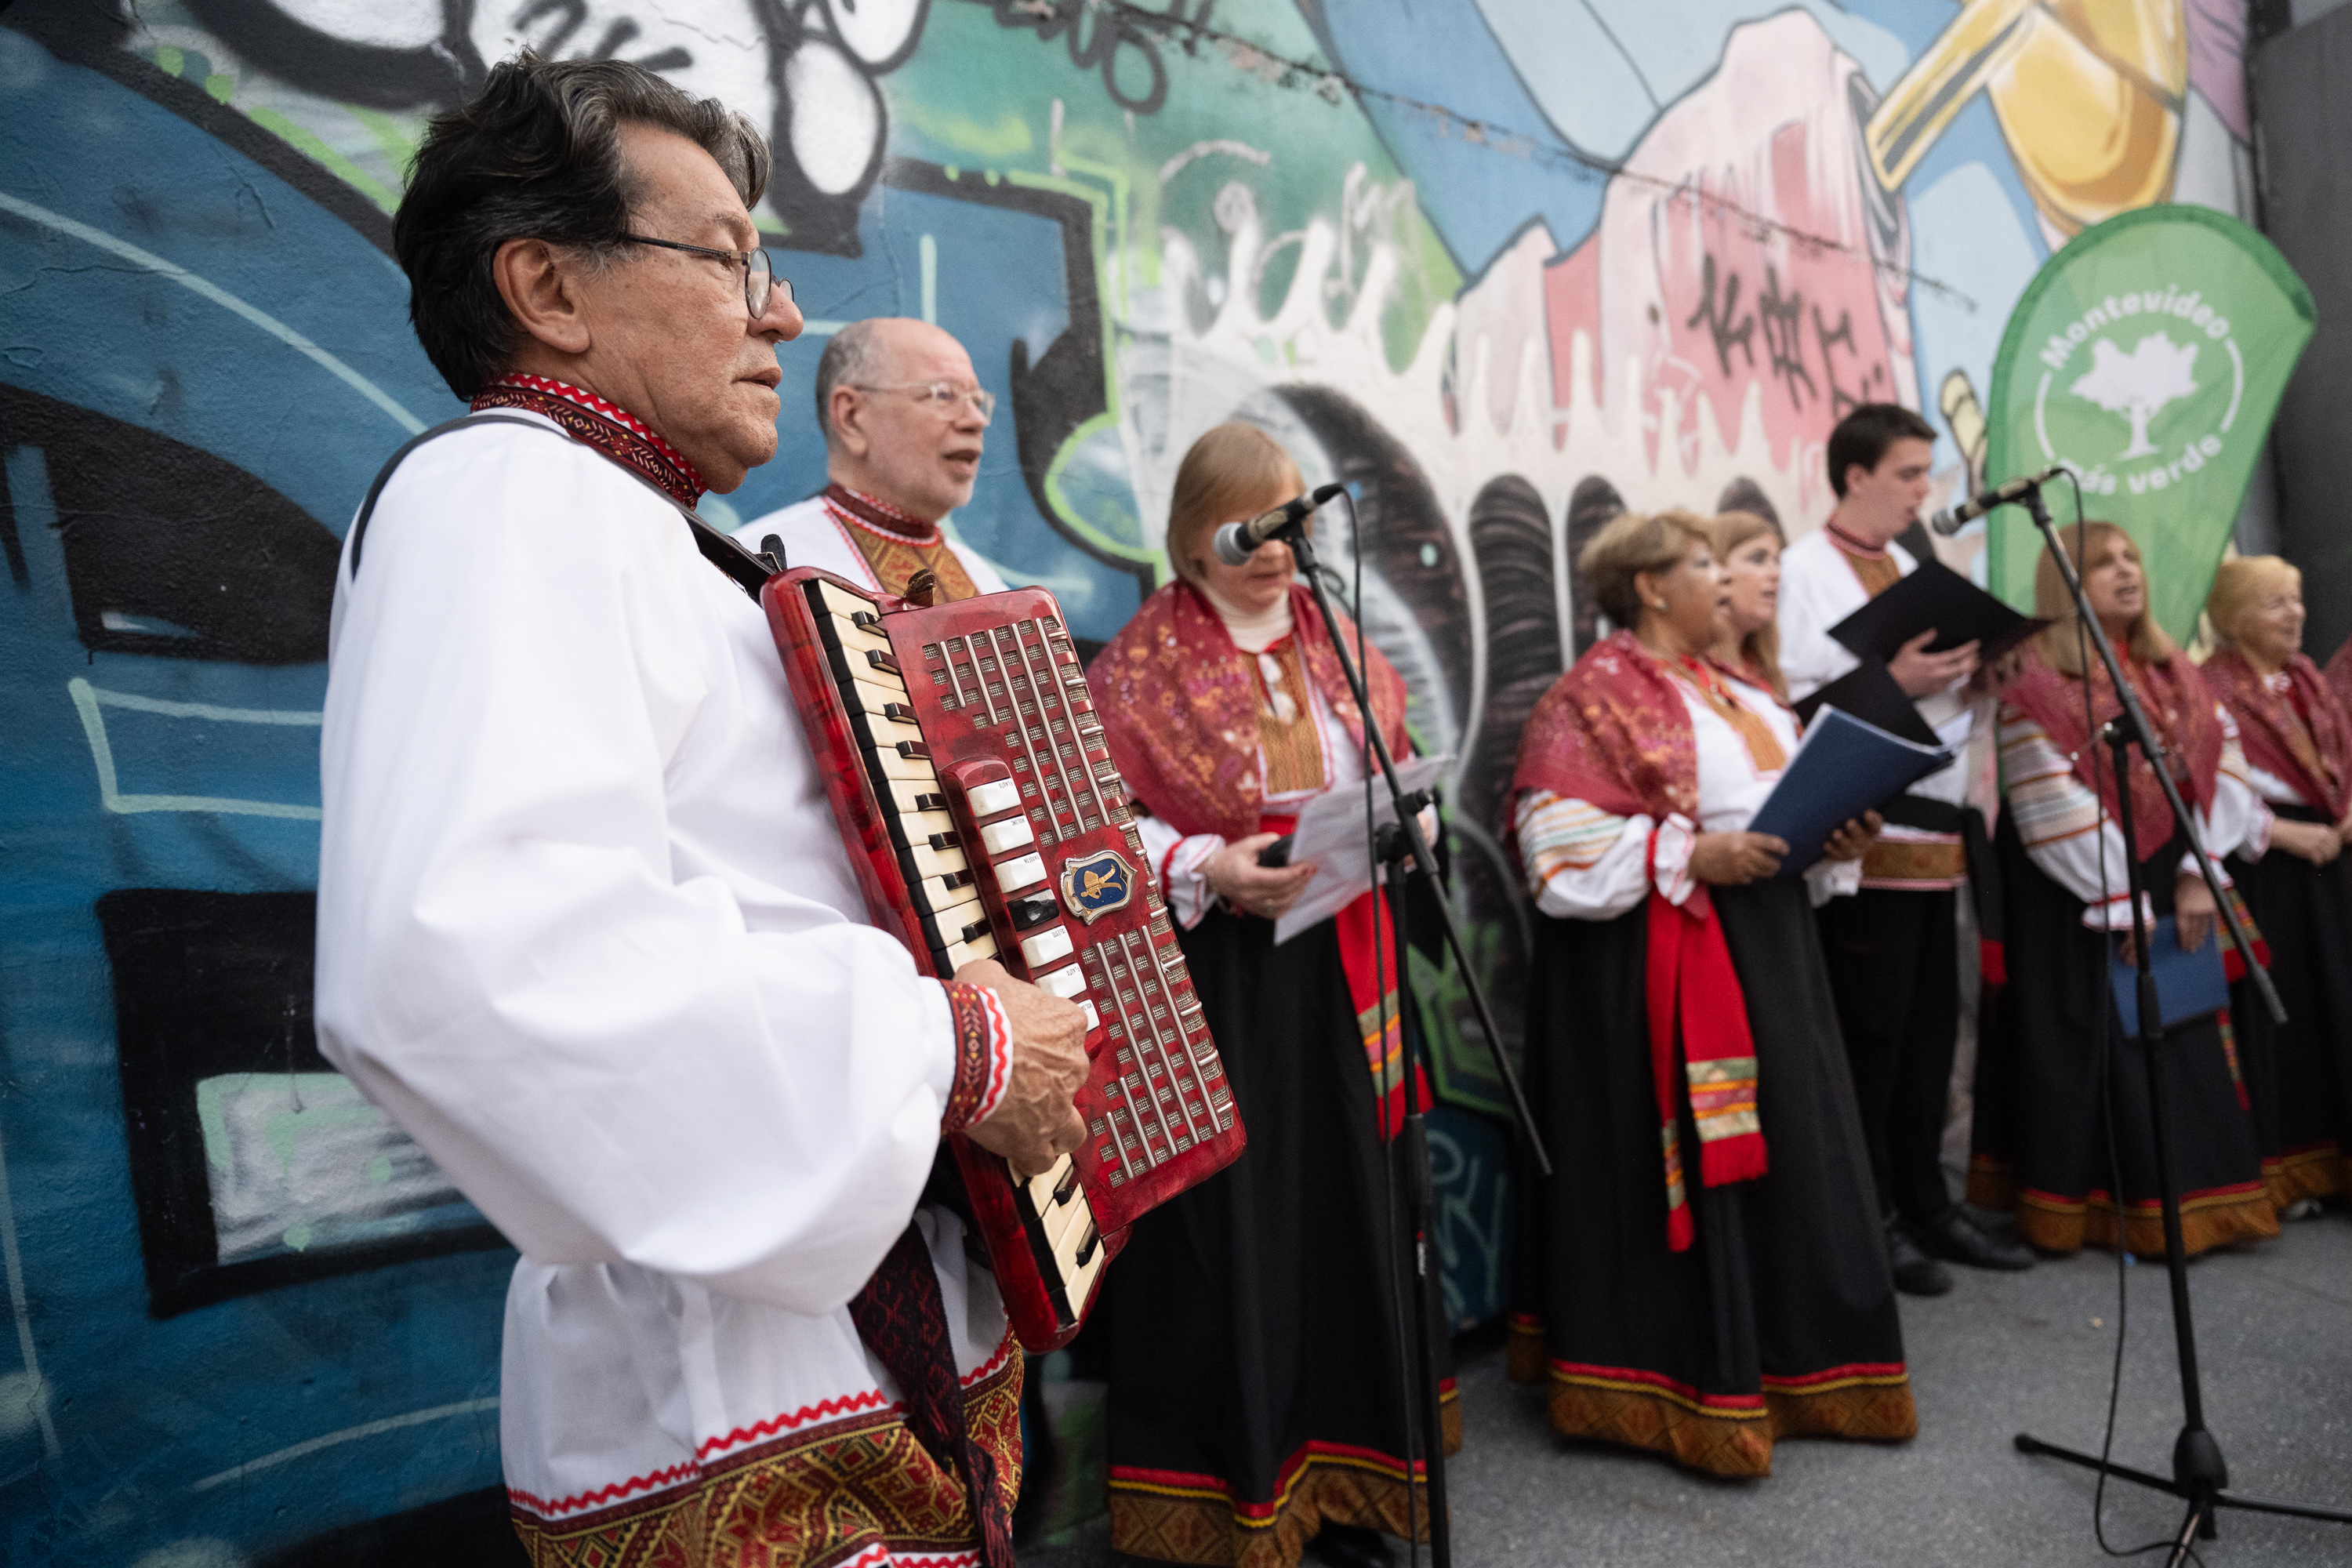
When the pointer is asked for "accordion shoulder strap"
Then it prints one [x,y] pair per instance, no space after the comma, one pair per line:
[745,570]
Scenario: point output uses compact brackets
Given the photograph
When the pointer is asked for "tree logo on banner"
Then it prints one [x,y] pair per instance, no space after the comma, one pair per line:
[2149,356]
[2156,374]
[2138,385]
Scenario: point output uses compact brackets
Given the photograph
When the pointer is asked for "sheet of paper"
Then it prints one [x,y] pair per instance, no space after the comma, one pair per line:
[1330,835]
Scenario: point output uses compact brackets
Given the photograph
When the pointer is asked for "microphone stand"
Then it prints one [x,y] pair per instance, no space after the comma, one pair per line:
[1410,847]
[2199,1474]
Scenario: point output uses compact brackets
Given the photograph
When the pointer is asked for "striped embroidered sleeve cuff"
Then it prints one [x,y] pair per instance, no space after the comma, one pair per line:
[2050,803]
[1557,835]
[983,1056]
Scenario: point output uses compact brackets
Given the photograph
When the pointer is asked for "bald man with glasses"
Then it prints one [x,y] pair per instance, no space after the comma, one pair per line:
[904,420]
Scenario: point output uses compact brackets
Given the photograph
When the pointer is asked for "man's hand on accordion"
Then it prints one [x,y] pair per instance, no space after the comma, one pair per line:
[1037,1121]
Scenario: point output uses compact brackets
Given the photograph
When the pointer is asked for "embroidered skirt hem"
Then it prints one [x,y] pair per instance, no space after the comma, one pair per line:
[852,1494]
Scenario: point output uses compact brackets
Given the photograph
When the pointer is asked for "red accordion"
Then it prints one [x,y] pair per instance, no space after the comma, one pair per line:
[963,755]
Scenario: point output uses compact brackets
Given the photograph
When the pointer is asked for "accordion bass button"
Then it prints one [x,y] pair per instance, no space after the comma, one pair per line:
[1065,982]
[994,799]
[1014,832]
[1022,873]
[1033,910]
[1047,946]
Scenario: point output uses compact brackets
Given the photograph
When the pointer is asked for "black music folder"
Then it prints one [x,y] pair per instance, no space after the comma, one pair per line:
[1870,694]
[1843,768]
[1935,596]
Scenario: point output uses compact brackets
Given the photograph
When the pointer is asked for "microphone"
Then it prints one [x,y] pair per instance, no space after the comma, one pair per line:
[1237,542]
[1952,519]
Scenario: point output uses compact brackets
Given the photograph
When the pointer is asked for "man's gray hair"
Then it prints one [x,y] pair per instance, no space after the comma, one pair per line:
[853,357]
[536,154]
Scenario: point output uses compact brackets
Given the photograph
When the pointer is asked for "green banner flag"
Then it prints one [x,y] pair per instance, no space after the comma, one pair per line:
[2149,355]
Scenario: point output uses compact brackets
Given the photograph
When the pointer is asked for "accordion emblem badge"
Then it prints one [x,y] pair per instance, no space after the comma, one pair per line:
[1095,885]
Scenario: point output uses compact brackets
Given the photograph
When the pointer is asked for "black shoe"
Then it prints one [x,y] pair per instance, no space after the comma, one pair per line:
[1953,1236]
[1915,1273]
[1349,1546]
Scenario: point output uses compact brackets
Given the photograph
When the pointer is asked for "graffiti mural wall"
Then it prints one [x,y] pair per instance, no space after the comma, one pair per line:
[1506,267]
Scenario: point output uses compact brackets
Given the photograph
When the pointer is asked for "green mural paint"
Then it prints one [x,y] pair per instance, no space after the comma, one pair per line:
[2148,355]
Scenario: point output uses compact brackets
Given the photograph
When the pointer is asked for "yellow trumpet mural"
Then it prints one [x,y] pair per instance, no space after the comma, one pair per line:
[2088,92]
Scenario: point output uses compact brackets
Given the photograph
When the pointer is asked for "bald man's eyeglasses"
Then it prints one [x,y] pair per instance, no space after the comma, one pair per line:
[942,397]
[760,280]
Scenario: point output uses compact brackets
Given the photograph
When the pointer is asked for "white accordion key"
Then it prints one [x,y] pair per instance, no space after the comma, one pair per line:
[962,952]
[1053,942]
[930,862]
[1065,982]
[997,837]
[1011,876]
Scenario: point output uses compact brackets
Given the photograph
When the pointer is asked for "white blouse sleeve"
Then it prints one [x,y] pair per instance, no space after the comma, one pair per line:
[2065,832]
[1180,864]
[1585,863]
[2239,821]
[606,1057]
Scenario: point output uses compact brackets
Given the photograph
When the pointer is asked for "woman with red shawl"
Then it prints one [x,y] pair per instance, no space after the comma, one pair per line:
[1255,1397]
[2298,744]
[1704,1271]
[2041,1066]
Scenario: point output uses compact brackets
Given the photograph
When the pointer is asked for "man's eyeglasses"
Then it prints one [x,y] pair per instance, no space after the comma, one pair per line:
[760,279]
[944,396]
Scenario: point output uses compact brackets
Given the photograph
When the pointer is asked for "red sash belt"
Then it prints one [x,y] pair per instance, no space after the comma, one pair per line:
[1371,973]
[1696,1012]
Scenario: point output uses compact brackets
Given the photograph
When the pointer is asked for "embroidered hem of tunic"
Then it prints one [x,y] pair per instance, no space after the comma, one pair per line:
[855,1492]
[1721,1433]
[1177,1517]
[2052,1222]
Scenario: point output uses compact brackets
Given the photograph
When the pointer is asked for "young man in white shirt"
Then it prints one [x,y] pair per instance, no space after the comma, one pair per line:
[1892,950]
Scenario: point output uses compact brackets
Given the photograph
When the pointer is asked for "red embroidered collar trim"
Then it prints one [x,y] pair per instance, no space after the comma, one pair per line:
[618,434]
[880,516]
[1853,546]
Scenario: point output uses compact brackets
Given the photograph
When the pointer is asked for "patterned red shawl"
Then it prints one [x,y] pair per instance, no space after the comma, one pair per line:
[2302,734]
[1179,703]
[1614,732]
[2178,703]
[2338,675]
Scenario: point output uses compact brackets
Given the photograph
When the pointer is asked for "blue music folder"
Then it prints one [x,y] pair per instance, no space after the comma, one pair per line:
[2188,985]
[1843,768]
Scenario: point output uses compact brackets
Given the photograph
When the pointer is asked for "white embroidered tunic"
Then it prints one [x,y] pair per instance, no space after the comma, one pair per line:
[588,931]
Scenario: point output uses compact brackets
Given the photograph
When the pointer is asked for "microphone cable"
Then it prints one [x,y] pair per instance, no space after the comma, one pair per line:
[2103,1016]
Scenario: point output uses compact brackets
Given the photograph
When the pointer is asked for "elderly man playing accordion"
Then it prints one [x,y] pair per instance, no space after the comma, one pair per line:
[587,927]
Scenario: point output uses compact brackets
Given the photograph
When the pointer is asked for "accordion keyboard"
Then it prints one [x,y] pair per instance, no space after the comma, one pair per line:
[995,825]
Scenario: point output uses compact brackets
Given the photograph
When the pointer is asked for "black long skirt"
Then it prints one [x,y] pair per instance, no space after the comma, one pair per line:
[2300,1073]
[1256,1391]
[2041,1144]
[1780,1319]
